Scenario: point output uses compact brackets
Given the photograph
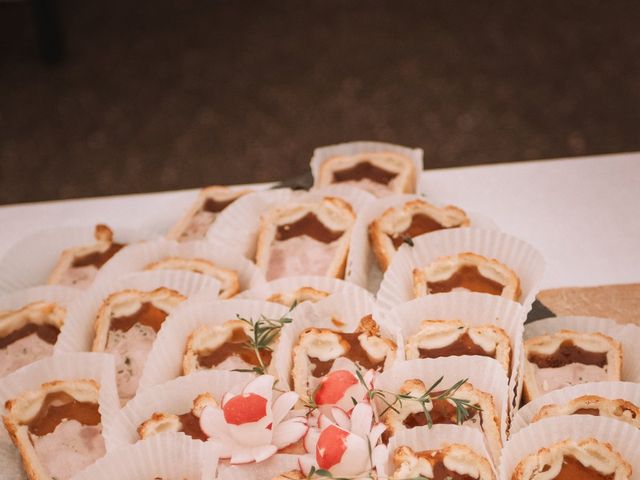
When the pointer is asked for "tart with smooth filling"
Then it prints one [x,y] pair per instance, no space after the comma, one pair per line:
[453,462]
[468,272]
[127,325]
[594,405]
[57,428]
[229,283]
[568,358]
[379,173]
[446,338]
[305,239]
[28,334]
[187,422]
[482,415]
[416,217]
[303,294]
[203,212]
[78,266]
[318,348]
[587,459]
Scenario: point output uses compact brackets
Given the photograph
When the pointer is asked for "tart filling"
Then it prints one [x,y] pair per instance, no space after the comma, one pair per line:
[467,272]
[303,294]
[127,325]
[446,338]
[587,459]
[305,239]
[569,358]
[187,422]
[57,428]
[229,283]
[78,266]
[28,334]
[452,462]
[594,405]
[196,221]
[416,217]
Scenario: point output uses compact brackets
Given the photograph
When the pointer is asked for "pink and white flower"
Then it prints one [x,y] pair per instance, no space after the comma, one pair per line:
[249,427]
[340,387]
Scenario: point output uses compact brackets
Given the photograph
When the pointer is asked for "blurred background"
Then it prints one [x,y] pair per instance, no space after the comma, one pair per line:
[123,96]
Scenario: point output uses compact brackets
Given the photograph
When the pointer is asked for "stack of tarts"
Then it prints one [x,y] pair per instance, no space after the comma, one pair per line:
[357,330]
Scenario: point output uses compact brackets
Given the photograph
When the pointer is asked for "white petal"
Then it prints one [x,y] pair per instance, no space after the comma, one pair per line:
[242,455]
[324,421]
[376,432]
[343,363]
[380,459]
[341,418]
[212,422]
[283,404]
[260,454]
[361,418]
[288,432]
[311,440]
[306,462]
[226,397]
[262,385]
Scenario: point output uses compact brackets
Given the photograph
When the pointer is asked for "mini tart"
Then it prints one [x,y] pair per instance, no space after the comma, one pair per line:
[594,405]
[451,461]
[317,348]
[291,475]
[416,217]
[222,347]
[196,221]
[569,358]
[187,423]
[303,294]
[305,239]
[588,458]
[29,334]
[445,338]
[410,414]
[229,283]
[466,271]
[126,326]
[380,173]
[56,428]
[78,266]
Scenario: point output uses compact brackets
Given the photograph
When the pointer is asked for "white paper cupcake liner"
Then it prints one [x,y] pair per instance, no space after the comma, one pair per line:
[347,307]
[267,470]
[175,396]
[79,329]
[613,390]
[362,266]
[31,260]
[623,437]
[321,154]
[472,308]
[171,456]
[522,258]
[421,439]
[74,366]
[136,258]
[628,336]
[164,362]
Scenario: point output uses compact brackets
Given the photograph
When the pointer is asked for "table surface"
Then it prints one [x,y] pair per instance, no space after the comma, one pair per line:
[582,213]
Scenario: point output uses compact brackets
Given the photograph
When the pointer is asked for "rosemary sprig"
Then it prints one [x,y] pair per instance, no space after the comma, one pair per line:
[263,332]
[315,473]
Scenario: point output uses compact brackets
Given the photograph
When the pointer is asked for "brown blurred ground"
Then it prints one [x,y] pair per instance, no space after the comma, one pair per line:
[164,95]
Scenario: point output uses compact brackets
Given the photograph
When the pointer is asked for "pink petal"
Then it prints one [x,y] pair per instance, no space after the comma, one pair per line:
[324,421]
[226,397]
[283,404]
[311,440]
[288,432]
[341,418]
[212,422]
[262,385]
[260,454]
[361,418]
[376,432]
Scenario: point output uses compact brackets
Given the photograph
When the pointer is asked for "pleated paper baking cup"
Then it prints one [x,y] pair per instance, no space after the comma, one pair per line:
[628,391]
[173,397]
[341,312]
[79,330]
[32,259]
[170,456]
[623,437]
[422,439]
[164,362]
[519,256]
[362,266]
[264,291]
[267,470]
[136,258]
[322,154]
[74,366]
[628,335]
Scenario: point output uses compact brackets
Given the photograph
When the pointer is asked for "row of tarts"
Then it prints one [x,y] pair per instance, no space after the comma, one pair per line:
[247,344]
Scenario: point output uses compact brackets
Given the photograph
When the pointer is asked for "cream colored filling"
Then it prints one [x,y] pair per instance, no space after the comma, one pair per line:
[301,255]
[23,352]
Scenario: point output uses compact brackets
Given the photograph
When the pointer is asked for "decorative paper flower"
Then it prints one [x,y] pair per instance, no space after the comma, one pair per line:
[247,427]
[347,446]
[340,387]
